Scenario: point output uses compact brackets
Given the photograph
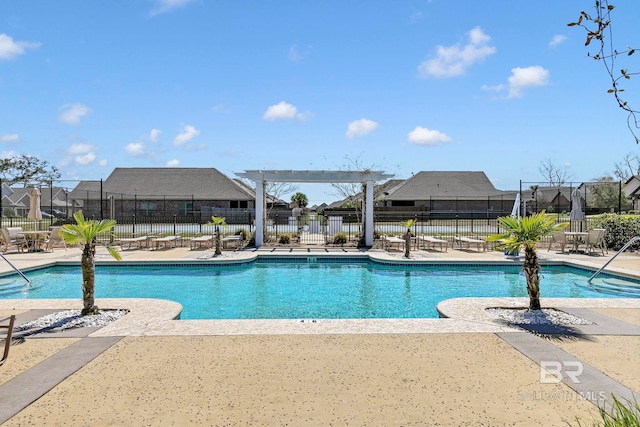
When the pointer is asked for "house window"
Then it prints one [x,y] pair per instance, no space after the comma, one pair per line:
[147,208]
[185,209]
[239,204]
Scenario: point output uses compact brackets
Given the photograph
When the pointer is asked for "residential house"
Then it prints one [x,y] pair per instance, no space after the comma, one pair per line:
[448,191]
[631,190]
[17,201]
[162,192]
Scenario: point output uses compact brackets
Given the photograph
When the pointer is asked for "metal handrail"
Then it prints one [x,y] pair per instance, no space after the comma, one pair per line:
[16,269]
[622,249]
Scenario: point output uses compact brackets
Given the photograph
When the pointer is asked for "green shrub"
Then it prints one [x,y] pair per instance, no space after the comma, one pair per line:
[340,238]
[285,239]
[622,414]
[242,232]
[620,229]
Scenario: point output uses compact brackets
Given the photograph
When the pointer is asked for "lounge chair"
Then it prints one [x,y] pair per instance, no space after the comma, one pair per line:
[139,242]
[558,238]
[387,241]
[167,241]
[595,240]
[468,241]
[197,242]
[430,242]
[7,339]
[235,239]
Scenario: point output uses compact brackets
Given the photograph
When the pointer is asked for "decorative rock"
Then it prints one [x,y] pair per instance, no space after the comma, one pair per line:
[546,316]
[73,319]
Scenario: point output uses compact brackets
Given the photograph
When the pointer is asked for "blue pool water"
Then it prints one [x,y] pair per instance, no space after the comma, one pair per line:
[299,289]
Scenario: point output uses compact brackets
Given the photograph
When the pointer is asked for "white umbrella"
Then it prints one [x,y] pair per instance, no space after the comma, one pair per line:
[515,212]
[576,207]
[34,208]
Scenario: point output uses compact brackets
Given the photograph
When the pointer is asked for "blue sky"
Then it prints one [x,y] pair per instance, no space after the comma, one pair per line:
[401,86]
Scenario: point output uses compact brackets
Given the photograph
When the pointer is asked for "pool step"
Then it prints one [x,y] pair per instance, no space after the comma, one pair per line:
[613,286]
[14,286]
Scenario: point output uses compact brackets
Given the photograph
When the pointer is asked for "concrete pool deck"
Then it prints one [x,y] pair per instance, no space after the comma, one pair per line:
[147,369]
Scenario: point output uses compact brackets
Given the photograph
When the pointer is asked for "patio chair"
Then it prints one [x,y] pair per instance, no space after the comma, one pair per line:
[17,242]
[7,339]
[55,239]
[595,240]
[558,238]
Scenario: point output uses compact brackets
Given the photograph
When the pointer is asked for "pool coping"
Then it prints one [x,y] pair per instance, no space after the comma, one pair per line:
[156,317]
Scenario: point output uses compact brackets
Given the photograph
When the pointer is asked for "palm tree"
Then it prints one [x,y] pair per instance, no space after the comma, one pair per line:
[218,221]
[407,237]
[300,199]
[526,232]
[85,232]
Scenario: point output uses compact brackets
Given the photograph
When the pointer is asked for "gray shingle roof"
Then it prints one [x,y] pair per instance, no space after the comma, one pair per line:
[199,183]
[442,184]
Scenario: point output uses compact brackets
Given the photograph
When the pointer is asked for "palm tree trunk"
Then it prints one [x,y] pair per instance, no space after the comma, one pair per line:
[407,244]
[218,242]
[88,280]
[531,269]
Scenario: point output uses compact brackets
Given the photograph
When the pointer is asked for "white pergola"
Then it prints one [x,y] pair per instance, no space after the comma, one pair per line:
[261,177]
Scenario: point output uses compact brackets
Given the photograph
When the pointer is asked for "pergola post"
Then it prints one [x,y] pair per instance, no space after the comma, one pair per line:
[261,177]
[368,213]
[260,212]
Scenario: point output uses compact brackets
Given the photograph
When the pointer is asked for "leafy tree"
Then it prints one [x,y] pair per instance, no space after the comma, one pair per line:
[526,232]
[27,170]
[300,200]
[599,28]
[85,232]
[606,194]
[217,222]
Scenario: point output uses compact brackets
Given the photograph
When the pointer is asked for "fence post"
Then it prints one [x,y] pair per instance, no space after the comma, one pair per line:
[133,229]
[174,224]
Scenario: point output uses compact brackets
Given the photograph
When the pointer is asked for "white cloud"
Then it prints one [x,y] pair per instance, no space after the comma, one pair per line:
[135,149]
[9,49]
[187,134]
[163,6]
[520,79]
[424,136]
[103,162]
[12,137]
[154,134]
[297,55]
[85,159]
[360,128]
[454,60]
[285,111]
[80,149]
[83,154]
[72,113]
[173,163]
[556,40]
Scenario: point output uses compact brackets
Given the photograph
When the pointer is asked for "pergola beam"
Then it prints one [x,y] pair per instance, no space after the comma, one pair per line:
[366,177]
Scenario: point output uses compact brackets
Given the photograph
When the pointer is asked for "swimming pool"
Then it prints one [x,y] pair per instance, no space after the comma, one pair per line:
[305,288]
